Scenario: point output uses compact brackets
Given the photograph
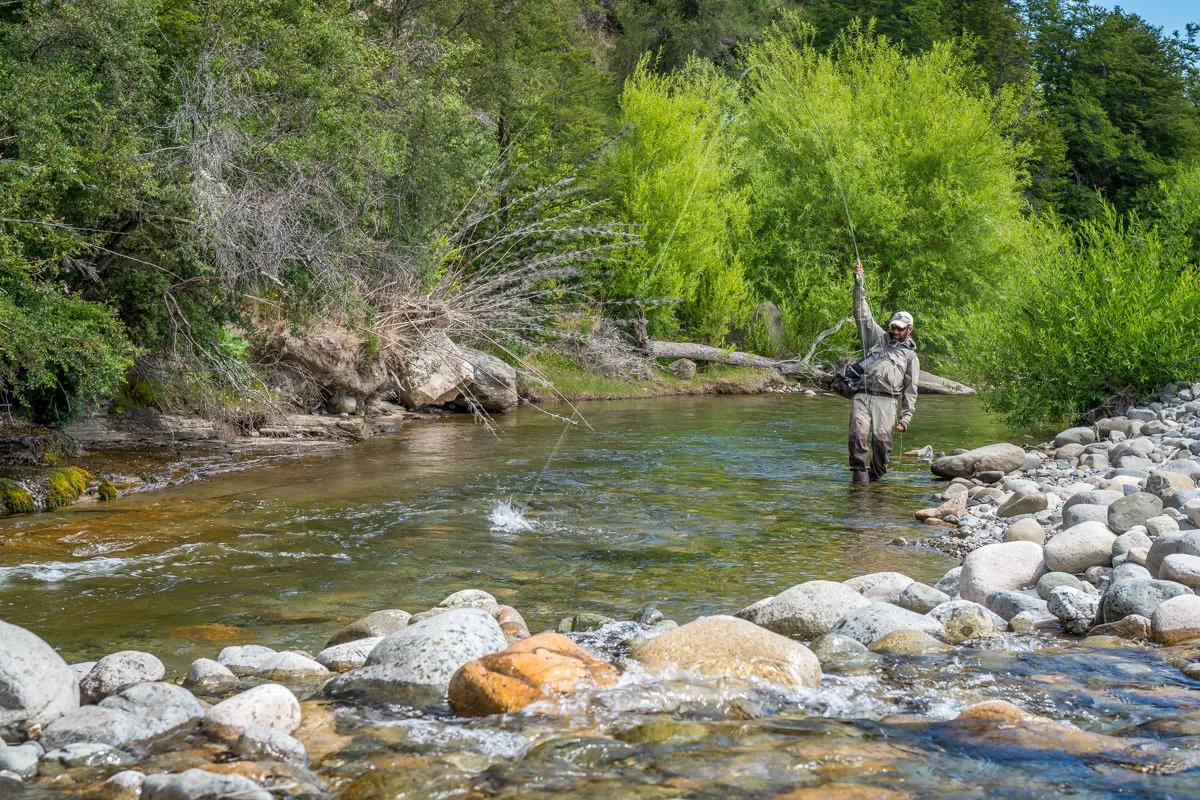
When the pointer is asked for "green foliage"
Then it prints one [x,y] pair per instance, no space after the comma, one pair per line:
[65,486]
[919,152]
[673,31]
[1124,95]
[1108,313]
[675,175]
[57,351]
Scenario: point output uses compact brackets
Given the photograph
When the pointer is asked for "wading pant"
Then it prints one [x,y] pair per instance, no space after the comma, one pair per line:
[872,419]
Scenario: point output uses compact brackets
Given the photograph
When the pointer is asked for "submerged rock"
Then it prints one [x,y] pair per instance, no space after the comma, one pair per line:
[841,653]
[806,610]
[723,645]
[258,742]
[909,643]
[535,668]
[36,685]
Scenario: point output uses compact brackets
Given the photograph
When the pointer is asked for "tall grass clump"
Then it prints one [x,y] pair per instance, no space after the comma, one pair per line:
[1106,317]
[917,147]
[675,175]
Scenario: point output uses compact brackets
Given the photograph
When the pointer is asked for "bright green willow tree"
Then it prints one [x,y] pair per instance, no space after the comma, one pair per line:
[917,148]
[675,175]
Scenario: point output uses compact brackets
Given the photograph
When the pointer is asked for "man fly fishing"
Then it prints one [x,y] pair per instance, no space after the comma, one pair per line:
[889,373]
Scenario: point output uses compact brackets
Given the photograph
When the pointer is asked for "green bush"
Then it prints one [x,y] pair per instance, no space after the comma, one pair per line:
[675,176]
[57,351]
[1107,314]
[919,150]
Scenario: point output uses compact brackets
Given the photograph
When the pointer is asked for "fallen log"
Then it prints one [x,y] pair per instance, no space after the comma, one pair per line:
[927,383]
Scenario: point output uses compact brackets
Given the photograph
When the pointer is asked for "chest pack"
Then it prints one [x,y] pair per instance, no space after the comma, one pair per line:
[848,377]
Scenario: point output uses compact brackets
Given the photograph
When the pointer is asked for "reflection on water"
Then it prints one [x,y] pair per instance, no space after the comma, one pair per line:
[697,505]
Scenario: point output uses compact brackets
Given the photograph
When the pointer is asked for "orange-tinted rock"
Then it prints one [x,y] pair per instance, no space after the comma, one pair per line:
[532,669]
[211,632]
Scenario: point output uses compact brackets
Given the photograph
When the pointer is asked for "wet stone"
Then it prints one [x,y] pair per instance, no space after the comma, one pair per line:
[584,621]
[921,598]
[1052,580]
[198,784]
[84,754]
[871,623]
[207,675]
[963,621]
[839,653]
[1138,597]
[1009,604]
[114,672]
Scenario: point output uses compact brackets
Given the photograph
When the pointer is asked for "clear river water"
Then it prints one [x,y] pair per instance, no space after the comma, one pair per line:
[695,505]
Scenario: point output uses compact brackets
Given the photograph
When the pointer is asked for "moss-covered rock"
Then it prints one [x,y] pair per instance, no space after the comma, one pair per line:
[65,485]
[107,490]
[15,498]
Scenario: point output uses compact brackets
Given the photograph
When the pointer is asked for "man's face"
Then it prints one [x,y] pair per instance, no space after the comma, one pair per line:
[899,333]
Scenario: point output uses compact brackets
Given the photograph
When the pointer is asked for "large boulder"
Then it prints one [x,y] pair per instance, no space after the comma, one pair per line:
[1088,544]
[535,668]
[267,706]
[992,458]
[1176,620]
[880,587]
[493,383]
[134,717]
[998,567]
[1133,510]
[421,658]
[1137,597]
[36,685]
[727,646]
[118,670]
[434,372]
[872,622]
[805,611]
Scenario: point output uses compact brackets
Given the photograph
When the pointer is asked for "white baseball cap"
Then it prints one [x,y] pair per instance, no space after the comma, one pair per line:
[901,319]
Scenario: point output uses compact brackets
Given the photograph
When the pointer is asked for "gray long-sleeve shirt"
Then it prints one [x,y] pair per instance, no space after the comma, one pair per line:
[896,372]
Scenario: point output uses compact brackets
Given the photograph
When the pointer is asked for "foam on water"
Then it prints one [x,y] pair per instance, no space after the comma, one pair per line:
[506,517]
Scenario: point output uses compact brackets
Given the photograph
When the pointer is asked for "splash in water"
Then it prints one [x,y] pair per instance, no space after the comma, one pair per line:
[506,517]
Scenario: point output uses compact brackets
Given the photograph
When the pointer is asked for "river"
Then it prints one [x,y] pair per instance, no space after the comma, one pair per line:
[694,505]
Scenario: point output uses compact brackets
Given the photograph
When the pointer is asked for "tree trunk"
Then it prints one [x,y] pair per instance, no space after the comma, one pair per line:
[928,383]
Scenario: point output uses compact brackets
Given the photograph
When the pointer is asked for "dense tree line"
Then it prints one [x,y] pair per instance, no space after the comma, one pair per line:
[176,176]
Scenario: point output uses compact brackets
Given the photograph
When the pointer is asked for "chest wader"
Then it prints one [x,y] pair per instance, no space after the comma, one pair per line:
[872,419]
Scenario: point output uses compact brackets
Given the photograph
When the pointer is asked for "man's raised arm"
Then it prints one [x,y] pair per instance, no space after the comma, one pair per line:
[870,332]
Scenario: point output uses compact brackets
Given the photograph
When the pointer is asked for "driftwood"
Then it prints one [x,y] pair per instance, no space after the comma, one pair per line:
[928,383]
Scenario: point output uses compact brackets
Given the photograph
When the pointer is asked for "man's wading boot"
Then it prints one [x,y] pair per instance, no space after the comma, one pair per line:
[859,477]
